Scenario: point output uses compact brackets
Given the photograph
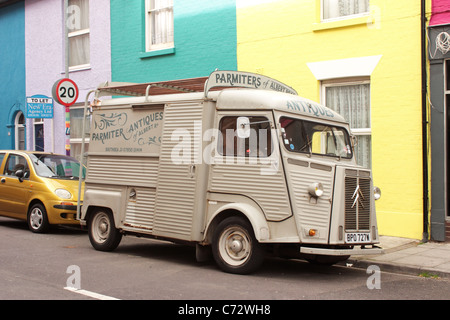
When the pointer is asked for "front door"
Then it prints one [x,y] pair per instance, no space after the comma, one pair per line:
[39,137]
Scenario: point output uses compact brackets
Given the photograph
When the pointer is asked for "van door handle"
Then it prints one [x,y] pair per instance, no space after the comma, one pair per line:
[192,170]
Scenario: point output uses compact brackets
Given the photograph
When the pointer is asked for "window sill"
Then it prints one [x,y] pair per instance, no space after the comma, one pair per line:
[326,25]
[81,67]
[155,53]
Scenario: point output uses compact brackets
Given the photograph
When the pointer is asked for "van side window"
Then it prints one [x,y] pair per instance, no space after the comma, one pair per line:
[259,144]
[16,162]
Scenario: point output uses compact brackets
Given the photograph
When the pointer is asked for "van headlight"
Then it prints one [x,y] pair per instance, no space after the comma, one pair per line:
[315,189]
[63,193]
[376,193]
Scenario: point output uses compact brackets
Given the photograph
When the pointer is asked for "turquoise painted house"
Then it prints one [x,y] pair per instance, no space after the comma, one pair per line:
[158,40]
[12,75]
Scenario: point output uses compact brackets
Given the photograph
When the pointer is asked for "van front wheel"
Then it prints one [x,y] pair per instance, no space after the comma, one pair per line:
[103,234]
[235,247]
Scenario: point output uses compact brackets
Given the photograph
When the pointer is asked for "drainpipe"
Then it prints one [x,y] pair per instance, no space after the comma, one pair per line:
[66,40]
[424,120]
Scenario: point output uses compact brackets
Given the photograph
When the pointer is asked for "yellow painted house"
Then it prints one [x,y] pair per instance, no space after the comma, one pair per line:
[362,58]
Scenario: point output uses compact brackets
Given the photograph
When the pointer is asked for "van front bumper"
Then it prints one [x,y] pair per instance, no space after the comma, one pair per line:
[342,252]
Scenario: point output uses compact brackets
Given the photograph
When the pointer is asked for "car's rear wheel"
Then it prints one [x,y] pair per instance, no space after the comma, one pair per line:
[103,234]
[37,219]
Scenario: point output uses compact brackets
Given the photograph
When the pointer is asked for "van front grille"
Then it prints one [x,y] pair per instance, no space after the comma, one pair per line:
[357,202]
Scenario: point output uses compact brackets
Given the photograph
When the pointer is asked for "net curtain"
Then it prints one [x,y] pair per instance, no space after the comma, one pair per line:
[339,8]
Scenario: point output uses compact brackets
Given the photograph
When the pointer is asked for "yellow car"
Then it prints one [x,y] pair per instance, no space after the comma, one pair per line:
[39,187]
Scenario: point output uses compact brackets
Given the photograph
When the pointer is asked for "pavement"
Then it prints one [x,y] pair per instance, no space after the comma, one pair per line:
[408,256]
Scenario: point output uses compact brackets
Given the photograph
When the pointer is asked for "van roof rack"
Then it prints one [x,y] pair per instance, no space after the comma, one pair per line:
[154,88]
[217,80]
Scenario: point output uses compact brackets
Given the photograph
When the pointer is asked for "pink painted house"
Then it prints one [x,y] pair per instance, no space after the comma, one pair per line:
[88,24]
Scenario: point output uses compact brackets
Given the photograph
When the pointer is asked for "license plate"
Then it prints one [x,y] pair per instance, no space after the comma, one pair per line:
[357,237]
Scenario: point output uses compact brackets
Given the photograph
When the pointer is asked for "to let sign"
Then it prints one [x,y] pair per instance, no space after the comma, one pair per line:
[65,92]
[39,106]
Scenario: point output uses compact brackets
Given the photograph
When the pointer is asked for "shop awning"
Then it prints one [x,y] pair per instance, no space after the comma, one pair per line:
[440,12]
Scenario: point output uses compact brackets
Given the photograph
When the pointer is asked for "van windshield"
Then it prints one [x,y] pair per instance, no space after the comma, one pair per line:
[315,138]
[56,166]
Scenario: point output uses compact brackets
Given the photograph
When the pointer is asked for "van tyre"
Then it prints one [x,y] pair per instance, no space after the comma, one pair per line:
[37,219]
[103,234]
[235,248]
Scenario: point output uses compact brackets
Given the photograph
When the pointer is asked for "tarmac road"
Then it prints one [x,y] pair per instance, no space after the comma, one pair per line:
[45,266]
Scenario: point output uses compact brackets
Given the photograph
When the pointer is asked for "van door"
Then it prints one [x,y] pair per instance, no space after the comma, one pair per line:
[180,190]
[303,172]
[251,166]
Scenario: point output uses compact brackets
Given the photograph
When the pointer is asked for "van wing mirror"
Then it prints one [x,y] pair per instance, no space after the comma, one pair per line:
[243,127]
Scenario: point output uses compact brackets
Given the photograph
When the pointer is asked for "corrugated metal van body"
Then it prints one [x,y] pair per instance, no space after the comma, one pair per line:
[123,162]
[310,213]
[139,171]
[180,195]
[269,191]
[129,174]
[140,210]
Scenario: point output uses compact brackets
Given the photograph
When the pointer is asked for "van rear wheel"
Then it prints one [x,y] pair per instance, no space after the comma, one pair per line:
[235,248]
[103,234]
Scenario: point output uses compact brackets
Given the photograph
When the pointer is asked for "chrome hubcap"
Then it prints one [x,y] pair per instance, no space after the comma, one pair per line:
[100,227]
[235,246]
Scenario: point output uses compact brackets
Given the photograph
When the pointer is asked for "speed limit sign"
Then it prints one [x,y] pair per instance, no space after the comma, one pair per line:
[65,92]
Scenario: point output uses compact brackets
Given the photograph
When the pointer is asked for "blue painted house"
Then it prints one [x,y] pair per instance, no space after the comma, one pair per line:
[158,40]
[12,75]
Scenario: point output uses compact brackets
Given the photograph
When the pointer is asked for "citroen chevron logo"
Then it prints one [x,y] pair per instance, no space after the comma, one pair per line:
[358,197]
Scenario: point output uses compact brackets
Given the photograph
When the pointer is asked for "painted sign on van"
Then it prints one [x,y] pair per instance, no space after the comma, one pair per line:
[241,79]
[125,132]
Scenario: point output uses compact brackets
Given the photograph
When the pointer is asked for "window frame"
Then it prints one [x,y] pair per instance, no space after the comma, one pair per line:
[222,137]
[2,157]
[366,131]
[309,140]
[79,140]
[148,32]
[80,33]
[11,173]
[344,17]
